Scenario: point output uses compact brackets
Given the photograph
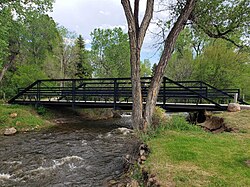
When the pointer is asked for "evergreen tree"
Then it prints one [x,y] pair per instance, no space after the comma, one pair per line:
[83,66]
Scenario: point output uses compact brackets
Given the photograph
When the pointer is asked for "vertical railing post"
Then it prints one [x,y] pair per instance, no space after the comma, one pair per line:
[201,92]
[164,92]
[115,92]
[73,93]
[38,93]
[238,94]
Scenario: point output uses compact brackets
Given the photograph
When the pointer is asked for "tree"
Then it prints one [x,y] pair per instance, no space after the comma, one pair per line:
[223,19]
[65,54]
[137,31]
[181,64]
[217,19]
[13,15]
[110,53]
[38,40]
[83,66]
[221,65]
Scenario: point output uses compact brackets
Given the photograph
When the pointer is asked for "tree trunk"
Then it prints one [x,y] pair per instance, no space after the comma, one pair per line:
[166,54]
[136,34]
[4,70]
[11,61]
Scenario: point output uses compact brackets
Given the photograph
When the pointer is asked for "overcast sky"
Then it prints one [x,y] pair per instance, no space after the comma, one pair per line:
[83,16]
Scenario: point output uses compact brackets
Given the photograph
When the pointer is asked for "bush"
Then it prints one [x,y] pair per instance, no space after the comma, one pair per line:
[159,117]
[41,110]
[179,123]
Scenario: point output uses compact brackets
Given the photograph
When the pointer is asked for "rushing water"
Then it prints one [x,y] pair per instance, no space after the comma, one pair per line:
[85,154]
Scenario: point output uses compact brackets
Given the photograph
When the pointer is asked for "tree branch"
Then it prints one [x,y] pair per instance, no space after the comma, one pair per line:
[129,15]
[146,21]
[136,17]
[220,35]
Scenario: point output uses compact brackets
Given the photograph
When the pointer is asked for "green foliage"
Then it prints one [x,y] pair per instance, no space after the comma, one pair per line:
[162,123]
[159,117]
[26,119]
[23,76]
[83,66]
[179,123]
[153,69]
[110,53]
[226,19]
[41,110]
[145,68]
[220,65]
[38,41]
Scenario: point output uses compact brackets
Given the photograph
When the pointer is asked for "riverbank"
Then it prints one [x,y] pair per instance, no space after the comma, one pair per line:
[186,155]
[22,118]
[29,118]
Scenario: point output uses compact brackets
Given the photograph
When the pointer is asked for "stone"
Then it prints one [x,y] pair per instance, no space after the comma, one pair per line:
[142,152]
[13,115]
[143,158]
[127,157]
[10,131]
[125,131]
[134,183]
[233,107]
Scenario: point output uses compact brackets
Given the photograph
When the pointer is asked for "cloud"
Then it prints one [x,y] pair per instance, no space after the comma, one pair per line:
[104,13]
[83,16]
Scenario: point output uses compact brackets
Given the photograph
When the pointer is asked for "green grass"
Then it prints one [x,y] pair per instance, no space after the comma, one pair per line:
[184,155]
[27,118]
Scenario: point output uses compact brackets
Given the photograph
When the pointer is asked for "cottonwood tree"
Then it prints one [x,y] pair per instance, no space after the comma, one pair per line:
[217,19]
[137,31]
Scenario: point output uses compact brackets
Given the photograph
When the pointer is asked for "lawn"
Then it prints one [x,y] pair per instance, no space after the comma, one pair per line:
[186,156]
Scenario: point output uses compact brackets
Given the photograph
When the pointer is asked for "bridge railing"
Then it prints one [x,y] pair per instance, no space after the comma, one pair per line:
[114,91]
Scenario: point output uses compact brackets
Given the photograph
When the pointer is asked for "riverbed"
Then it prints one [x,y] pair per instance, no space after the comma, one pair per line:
[89,153]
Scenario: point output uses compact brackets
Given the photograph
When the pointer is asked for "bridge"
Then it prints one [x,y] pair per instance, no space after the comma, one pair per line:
[117,93]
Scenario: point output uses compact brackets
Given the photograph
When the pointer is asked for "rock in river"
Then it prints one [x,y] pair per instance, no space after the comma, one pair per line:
[10,131]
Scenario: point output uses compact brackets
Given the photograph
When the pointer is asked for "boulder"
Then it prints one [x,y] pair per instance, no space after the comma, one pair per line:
[124,131]
[10,131]
[233,107]
[13,115]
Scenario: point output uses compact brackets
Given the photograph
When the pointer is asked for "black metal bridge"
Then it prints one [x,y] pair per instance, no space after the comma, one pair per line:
[117,93]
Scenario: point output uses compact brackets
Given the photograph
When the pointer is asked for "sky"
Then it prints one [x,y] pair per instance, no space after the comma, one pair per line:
[83,16]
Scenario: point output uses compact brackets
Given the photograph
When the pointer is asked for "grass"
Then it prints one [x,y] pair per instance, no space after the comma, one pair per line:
[184,155]
[27,118]
[239,120]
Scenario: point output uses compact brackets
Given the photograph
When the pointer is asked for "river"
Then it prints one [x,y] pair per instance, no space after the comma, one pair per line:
[82,154]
